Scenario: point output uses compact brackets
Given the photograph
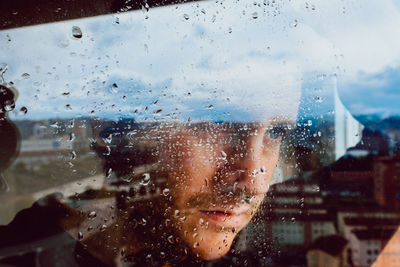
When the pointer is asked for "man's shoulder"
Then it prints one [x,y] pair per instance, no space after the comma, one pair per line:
[40,219]
[35,235]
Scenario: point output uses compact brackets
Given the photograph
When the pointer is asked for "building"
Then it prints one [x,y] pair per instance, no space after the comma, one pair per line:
[387,181]
[293,217]
[34,153]
[363,214]
[366,245]
[368,229]
[328,251]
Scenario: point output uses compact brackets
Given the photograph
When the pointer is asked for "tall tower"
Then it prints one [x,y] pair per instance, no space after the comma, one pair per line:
[348,131]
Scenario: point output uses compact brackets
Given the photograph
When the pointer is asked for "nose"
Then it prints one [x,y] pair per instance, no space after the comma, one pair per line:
[249,163]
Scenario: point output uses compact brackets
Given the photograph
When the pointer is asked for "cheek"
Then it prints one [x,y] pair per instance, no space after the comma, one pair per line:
[190,166]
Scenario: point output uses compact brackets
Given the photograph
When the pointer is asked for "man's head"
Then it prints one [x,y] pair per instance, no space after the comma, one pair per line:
[217,177]
[217,173]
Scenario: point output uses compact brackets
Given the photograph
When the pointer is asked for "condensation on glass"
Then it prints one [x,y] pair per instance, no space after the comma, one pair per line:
[220,133]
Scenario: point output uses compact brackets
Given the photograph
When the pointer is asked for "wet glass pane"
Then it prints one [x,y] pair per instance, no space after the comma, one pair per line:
[214,133]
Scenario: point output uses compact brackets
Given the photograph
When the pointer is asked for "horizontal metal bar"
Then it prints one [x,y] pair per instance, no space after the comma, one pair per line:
[19,13]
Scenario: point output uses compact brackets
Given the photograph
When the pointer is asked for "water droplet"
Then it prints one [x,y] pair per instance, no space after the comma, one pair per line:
[107,152]
[262,169]
[186,16]
[318,99]
[162,255]
[249,199]
[23,110]
[293,219]
[25,75]
[233,229]
[108,172]
[80,235]
[170,239]
[223,154]
[103,228]
[71,137]
[165,192]
[76,32]
[68,107]
[254,15]
[177,213]
[196,244]
[3,69]
[123,252]
[309,122]
[294,23]
[145,179]
[107,139]
[73,155]
[92,214]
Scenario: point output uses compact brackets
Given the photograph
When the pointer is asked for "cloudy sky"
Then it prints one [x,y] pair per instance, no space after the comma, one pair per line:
[210,60]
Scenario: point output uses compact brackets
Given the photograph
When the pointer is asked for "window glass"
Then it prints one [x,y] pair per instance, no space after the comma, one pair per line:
[212,132]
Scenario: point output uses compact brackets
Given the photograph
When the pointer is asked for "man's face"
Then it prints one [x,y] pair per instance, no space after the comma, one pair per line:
[217,177]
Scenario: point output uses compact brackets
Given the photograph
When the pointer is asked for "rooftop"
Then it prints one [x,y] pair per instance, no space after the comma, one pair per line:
[374,234]
[331,244]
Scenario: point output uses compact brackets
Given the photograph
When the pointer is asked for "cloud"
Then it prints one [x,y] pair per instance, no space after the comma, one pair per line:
[251,53]
[372,93]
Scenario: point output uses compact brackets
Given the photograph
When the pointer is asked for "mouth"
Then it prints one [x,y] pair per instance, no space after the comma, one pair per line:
[224,217]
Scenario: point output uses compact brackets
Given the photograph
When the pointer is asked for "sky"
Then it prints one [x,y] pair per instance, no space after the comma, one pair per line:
[217,60]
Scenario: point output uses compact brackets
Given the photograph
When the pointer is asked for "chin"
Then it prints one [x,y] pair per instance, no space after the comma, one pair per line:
[214,246]
[211,253]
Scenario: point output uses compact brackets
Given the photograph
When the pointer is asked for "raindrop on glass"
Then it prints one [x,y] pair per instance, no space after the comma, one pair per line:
[71,137]
[223,154]
[76,32]
[25,75]
[145,179]
[92,214]
[318,99]
[177,213]
[262,169]
[165,192]
[170,239]
[23,110]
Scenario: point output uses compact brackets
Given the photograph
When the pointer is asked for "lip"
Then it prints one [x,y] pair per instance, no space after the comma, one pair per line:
[223,217]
